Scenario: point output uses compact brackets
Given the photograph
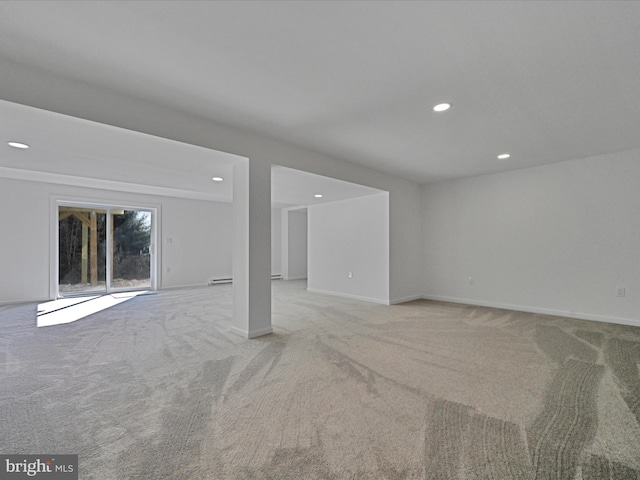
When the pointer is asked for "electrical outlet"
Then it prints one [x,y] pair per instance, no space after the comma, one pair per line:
[350,274]
[620,292]
[167,270]
[472,281]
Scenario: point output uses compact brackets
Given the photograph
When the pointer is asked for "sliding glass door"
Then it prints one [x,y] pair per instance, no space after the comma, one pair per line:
[103,249]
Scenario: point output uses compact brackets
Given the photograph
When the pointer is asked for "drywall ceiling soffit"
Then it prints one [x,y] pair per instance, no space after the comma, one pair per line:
[547,81]
[71,151]
[292,188]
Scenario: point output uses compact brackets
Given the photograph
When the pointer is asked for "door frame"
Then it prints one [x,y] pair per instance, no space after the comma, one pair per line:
[57,201]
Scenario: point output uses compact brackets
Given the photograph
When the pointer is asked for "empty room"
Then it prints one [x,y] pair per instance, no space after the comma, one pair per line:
[320,240]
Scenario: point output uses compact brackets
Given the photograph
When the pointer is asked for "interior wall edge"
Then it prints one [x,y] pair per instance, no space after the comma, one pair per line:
[380,301]
[542,311]
[102,184]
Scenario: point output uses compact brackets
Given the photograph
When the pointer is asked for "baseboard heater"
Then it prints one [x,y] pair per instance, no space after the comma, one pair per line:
[220,281]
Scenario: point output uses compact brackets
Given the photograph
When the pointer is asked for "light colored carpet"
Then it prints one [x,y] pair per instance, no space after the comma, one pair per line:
[159,388]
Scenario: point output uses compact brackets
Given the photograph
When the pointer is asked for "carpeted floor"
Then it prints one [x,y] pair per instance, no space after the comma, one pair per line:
[158,388]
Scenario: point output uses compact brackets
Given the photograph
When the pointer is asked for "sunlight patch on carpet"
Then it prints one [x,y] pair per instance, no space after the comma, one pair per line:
[67,310]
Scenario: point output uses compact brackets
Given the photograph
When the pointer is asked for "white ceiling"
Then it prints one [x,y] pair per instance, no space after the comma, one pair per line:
[546,81]
[291,187]
[73,147]
[79,152]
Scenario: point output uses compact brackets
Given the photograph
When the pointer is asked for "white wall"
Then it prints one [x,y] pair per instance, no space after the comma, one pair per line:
[24,241]
[202,240]
[69,97]
[555,239]
[276,241]
[296,244]
[200,231]
[200,234]
[350,236]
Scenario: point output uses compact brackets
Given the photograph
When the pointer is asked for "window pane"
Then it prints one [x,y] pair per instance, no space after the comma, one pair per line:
[82,250]
[131,266]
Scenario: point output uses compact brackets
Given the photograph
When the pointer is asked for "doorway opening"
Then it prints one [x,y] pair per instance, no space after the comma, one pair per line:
[104,248]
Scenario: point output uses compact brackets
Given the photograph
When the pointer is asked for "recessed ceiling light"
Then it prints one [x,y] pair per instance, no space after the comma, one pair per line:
[504,156]
[318,195]
[17,145]
[217,179]
[442,107]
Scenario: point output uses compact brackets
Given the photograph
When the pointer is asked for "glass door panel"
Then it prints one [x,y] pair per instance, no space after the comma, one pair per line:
[131,249]
[82,251]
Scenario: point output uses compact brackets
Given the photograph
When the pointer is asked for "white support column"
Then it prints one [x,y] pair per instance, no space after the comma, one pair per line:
[285,244]
[251,249]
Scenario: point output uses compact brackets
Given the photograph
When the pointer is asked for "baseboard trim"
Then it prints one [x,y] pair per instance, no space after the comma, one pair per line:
[182,287]
[294,278]
[410,298]
[543,311]
[23,302]
[198,285]
[347,295]
[252,334]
